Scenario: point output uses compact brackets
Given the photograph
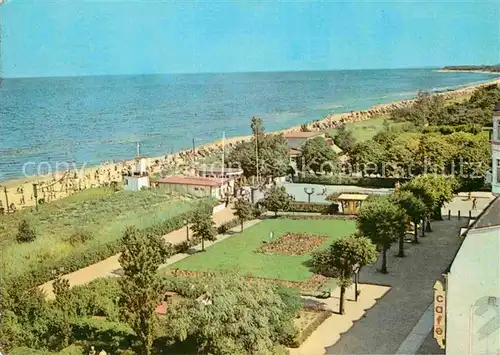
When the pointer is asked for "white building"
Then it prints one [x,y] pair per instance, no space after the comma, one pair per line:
[473,283]
[195,185]
[495,147]
[473,289]
[231,174]
[138,177]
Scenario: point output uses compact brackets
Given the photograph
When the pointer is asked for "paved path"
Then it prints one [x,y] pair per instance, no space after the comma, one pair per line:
[388,324]
[109,266]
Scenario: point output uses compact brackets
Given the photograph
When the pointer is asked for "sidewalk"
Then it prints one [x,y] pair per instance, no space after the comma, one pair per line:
[109,266]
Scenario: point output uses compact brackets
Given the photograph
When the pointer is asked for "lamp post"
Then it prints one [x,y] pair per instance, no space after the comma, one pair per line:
[35,195]
[6,198]
[309,193]
[356,280]
[187,229]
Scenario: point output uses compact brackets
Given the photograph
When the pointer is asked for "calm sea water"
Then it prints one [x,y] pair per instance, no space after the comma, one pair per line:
[95,119]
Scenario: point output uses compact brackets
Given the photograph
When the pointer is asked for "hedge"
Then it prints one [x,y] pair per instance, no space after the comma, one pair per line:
[374,182]
[111,335]
[321,216]
[44,271]
[320,318]
[322,208]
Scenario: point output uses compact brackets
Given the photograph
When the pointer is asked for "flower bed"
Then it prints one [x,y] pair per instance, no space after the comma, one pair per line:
[309,320]
[293,244]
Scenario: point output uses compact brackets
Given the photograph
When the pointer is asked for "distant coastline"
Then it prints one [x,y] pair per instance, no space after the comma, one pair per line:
[483,69]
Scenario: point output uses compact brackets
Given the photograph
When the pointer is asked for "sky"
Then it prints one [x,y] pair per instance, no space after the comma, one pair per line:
[75,37]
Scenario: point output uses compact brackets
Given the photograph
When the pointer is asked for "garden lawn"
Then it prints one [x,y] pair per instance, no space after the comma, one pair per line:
[238,252]
[102,214]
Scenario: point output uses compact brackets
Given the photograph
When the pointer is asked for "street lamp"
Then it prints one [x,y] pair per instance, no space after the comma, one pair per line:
[309,193]
[356,280]
[187,229]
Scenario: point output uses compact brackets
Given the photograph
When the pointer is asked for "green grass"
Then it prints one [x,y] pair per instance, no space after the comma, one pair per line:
[102,213]
[364,130]
[237,253]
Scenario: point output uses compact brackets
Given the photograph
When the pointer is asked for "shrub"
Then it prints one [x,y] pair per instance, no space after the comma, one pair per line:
[113,334]
[223,228]
[322,208]
[322,316]
[348,180]
[25,234]
[79,237]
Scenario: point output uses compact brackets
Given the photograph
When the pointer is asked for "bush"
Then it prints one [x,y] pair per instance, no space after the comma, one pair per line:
[112,335]
[322,208]
[374,182]
[25,234]
[322,316]
[79,237]
[223,228]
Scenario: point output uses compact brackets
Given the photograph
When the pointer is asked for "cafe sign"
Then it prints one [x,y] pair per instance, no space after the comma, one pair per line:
[439,314]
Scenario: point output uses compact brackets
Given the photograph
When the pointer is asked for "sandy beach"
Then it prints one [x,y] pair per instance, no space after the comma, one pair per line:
[19,192]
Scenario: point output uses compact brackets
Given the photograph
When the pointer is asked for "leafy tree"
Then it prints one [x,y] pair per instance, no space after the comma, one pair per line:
[414,208]
[434,154]
[341,258]
[318,156]
[241,316]
[344,139]
[368,157]
[141,287]
[383,222]
[243,210]
[25,233]
[277,199]
[63,306]
[203,226]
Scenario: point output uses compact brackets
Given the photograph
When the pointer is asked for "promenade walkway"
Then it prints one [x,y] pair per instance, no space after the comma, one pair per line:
[108,267]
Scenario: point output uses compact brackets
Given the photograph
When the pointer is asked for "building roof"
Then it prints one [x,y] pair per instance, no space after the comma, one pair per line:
[352,197]
[299,134]
[294,152]
[191,180]
[490,216]
[216,170]
[497,107]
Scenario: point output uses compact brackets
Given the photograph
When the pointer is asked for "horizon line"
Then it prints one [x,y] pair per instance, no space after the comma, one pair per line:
[218,73]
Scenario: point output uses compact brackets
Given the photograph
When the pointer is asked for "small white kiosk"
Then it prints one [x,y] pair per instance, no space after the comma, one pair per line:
[138,177]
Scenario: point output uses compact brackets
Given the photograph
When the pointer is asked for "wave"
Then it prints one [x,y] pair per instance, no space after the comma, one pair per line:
[328,106]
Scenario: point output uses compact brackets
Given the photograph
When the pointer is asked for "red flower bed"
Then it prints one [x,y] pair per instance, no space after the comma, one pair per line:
[293,244]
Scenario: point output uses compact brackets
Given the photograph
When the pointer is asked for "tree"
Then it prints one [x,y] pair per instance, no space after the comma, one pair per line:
[140,284]
[341,258]
[277,199]
[241,316]
[383,222]
[318,156]
[203,226]
[414,208]
[244,210]
[344,139]
[63,305]
[434,154]
[25,233]
[368,157]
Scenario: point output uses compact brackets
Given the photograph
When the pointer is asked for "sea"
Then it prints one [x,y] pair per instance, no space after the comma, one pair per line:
[91,119]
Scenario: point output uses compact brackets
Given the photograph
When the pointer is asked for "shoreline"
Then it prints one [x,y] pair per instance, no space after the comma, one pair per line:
[467,71]
[62,184]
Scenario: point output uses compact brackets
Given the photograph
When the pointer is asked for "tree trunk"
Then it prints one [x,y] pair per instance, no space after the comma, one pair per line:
[401,252]
[342,300]
[383,270]
[202,244]
[423,227]
[415,230]
[428,225]
[241,225]
[436,214]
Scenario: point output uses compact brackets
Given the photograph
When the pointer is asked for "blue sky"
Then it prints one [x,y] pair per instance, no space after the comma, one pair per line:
[67,38]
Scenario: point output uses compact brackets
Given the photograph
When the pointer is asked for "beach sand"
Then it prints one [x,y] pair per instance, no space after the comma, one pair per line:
[59,185]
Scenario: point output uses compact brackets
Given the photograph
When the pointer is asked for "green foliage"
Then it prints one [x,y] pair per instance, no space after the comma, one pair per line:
[203,226]
[141,287]
[63,304]
[383,222]
[344,139]
[277,199]
[341,258]
[25,233]
[111,335]
[314,207]
[272,151]
[244,317]
[317,156]
[243,210]
[414,208]
[367,157]
[348,180]
[80,237]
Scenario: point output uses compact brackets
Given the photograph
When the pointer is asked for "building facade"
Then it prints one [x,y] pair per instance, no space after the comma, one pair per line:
[495,148]
[138,177]
[195,185]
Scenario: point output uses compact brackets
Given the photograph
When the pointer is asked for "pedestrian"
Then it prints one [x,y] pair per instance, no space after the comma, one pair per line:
[474,204]
[324,190]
